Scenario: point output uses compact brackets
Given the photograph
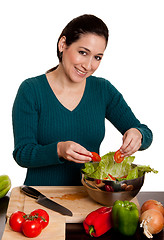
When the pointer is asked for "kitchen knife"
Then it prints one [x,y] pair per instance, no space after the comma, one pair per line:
[44,201]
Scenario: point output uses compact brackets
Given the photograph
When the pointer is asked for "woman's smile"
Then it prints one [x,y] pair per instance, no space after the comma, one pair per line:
[80,72]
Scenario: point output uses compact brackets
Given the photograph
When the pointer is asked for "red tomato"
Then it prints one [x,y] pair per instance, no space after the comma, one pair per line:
[95,157]
[98,181]
[41,216]
[16,220]
[109,188]
[31,228]
[117,157]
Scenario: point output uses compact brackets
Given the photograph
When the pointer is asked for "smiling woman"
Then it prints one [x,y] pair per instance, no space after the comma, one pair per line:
[81,58]
[59,117]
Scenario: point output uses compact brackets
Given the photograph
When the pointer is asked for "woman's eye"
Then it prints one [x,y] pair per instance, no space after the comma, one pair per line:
[98,58]
[83,53]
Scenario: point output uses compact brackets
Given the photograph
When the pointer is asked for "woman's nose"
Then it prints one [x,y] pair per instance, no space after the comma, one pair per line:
[87,65]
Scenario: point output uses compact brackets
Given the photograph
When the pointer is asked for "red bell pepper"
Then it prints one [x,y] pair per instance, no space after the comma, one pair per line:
[112,178]
[98,222]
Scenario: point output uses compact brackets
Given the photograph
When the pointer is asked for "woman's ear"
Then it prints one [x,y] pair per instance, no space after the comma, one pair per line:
[62,44]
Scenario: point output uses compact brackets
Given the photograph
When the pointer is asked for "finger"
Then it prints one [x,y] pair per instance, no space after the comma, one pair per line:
[127,147]
[126,144]
[132,148]
[83,151]
[82,157]
[76,152]
[71,159]
[75,156]
[80,149]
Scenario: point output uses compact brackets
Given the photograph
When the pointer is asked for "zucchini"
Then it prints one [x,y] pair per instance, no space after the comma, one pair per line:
[5,185]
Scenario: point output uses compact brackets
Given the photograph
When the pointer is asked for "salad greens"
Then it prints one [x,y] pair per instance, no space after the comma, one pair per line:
[121,171]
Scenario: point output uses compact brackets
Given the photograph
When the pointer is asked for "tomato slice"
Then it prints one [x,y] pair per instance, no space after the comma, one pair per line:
[117,157]
[95,157]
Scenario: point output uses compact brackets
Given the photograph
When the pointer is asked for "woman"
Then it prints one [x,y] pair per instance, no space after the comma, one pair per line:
[59,117]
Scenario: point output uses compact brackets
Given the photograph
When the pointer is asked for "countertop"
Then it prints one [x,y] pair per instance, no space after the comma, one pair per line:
[76,230]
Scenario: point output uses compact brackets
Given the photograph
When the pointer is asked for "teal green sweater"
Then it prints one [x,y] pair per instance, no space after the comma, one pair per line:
[40,121]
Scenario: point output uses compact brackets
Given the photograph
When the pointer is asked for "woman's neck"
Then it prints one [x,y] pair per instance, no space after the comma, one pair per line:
[59,78]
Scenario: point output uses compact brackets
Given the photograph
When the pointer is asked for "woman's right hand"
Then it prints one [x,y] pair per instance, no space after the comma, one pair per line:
[73,151]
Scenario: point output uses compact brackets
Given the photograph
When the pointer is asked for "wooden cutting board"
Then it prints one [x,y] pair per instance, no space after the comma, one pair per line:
[55,230]
[75,198]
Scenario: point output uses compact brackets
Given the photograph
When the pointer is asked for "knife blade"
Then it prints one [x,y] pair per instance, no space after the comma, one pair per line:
[44,201]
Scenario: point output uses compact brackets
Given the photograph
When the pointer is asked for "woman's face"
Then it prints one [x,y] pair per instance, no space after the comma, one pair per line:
[82,58]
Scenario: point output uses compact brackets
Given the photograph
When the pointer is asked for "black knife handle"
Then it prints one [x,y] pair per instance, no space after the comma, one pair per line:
[31,192]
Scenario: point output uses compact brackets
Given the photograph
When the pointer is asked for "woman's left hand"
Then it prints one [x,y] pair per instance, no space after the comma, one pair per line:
[132,140]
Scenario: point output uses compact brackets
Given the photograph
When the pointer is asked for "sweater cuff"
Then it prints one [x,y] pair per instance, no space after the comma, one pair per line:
[49,154]
[147,137]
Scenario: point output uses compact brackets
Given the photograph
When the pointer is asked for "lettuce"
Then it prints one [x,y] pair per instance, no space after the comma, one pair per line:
[107,166]
[143,169]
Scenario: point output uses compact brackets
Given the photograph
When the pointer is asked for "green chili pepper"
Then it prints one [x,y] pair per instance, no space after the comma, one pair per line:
[125,216]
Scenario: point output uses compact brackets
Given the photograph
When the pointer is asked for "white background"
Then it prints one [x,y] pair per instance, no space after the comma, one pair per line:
[133,62]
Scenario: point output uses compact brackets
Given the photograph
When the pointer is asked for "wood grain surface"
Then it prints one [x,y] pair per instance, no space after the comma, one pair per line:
[75,198]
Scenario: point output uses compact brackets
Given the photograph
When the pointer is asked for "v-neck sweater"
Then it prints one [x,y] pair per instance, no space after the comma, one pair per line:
[40,121]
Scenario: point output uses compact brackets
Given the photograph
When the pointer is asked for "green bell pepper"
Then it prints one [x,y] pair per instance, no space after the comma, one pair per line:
[125,216]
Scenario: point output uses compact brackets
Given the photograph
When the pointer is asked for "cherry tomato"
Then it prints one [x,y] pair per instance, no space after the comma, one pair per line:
[31,228]
[108,188]
[16,220]
[95,157]
[117,157]
[41,216]
[98,181]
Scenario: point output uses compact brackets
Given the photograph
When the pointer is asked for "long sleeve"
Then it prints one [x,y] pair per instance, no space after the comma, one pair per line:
[28,152]
[121,116]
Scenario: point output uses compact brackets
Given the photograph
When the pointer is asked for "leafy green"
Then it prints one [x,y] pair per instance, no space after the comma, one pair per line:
[143,169]
[132,173]
[107,166]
